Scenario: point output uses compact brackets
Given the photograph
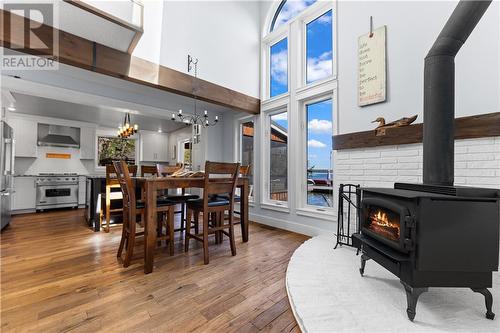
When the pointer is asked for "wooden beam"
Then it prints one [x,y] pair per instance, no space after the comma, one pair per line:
[480,126]
[83,53]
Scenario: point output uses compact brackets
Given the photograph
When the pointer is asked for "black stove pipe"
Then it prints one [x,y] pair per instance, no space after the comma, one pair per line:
[439,92]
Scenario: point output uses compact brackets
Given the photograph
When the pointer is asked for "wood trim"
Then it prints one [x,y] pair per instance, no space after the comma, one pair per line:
[480,126]
[80,52]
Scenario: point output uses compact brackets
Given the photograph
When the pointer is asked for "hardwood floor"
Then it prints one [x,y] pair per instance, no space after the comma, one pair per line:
[57,275]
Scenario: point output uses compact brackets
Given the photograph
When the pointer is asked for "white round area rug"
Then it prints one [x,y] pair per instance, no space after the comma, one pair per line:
[327,294]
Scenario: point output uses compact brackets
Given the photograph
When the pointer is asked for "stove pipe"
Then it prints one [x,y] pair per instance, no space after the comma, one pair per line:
[439,92]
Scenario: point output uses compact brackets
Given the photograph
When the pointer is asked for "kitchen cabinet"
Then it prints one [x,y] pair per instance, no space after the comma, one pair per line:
[82,188]
[24,197]
[154,147]
[25,136]
[87,143]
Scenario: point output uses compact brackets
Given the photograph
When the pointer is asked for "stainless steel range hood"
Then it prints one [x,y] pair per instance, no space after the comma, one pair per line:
[58,136]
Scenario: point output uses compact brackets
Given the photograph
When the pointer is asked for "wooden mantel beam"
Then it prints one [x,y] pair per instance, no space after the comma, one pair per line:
[83,53]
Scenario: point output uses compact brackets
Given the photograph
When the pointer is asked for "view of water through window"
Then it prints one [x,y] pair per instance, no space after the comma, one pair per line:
[319,147]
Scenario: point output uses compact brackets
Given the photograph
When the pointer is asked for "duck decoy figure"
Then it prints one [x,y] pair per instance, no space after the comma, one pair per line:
[405,121]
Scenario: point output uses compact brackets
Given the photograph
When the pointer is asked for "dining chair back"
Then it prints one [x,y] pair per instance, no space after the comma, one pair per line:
[132,207]
[110,195]
[125,182]
[148,170]
[220,179]
[167,170]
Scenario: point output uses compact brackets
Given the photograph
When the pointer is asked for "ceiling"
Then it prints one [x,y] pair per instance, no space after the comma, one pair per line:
[104,117]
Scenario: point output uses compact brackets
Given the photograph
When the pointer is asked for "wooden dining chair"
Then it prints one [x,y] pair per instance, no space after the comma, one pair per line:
[148,170]
[223,183]
[111,195]
[182,198]
[133,207]
[243,171]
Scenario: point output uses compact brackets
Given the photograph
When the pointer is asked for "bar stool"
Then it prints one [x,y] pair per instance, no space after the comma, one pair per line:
[110,195]
[133,207]
[211,203]
[182,198]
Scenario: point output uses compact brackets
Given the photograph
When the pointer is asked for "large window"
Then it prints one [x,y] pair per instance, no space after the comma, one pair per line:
[319,146]
[278,157]
[279,68]
[319,48]
[299,82]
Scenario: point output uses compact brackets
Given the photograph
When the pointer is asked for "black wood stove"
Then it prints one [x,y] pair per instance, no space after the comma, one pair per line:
[435,234]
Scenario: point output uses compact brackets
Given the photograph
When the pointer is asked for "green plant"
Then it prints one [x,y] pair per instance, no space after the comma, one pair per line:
[115,149]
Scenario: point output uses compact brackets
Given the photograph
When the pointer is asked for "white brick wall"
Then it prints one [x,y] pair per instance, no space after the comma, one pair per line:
[477,163]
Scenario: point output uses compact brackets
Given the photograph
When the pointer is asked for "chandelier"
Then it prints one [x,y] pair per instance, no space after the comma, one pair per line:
[127,130]
[194,119]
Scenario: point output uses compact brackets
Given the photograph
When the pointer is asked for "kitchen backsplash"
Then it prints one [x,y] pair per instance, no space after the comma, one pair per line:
[30,166]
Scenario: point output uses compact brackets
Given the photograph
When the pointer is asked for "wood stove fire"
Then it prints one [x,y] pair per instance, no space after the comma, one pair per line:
[435,234]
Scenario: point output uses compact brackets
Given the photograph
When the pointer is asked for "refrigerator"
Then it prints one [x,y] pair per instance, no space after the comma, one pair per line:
[6,172]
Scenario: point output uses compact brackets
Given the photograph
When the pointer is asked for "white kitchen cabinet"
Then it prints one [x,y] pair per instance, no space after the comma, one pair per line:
[87,143]
[82,188]
[24,197]
[25,136]
[154,147]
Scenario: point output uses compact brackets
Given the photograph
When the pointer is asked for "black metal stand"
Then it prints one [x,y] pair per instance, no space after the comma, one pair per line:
[348,211]
[412,295]
[488,300]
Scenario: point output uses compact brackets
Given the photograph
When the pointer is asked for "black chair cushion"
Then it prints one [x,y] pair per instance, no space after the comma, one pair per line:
[182,197]
[160,202]
[198,203]
[237,198]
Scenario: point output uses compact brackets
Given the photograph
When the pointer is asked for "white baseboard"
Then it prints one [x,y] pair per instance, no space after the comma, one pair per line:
[290,226]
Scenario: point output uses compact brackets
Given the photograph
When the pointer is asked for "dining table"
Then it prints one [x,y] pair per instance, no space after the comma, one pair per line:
[149,188]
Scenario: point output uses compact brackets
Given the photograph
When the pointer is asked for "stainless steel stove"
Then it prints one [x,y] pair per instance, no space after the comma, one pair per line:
[56,190]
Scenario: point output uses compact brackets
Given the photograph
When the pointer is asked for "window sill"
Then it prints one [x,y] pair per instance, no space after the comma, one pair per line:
[278,208]
[327,215]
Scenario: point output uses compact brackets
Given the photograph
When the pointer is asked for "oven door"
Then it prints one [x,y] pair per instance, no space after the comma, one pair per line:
[56,196]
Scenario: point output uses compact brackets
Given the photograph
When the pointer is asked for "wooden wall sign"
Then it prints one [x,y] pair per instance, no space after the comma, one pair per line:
[56,155]
[372,67]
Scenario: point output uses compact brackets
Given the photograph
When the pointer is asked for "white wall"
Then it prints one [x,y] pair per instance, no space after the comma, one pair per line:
[223,35]
[149,46]
[412,27]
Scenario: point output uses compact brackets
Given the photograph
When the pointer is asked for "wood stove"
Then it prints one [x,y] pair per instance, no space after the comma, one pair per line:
[435,234]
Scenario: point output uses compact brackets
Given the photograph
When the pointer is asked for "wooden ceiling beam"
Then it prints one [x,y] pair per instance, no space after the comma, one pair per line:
[83,53]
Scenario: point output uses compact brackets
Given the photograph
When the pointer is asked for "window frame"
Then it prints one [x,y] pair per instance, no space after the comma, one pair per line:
[266,201]
[238,151]
[305,20]
[293,102]
[276,38]
[302,205]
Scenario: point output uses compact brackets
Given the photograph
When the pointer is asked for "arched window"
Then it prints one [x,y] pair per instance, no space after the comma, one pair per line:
[287,10]
[298,104]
